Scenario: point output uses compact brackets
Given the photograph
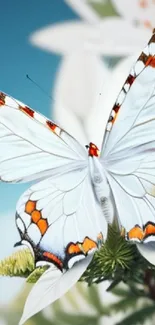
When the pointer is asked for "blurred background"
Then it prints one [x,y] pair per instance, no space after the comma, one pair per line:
[80,53]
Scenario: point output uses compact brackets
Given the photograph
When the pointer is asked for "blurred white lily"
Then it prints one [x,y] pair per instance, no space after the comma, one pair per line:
[82,74]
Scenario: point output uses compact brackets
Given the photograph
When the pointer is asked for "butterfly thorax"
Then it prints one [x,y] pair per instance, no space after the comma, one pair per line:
[98,178]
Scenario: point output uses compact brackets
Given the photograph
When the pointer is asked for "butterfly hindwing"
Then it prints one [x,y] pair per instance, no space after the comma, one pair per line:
[61,219]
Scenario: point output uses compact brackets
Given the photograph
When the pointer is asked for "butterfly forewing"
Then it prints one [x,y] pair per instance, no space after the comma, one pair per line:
[128,151]
[32,146]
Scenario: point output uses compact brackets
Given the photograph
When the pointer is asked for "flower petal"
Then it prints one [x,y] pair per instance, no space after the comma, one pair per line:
[147,251]
[106,38]
[109,93]
[51,286]
[65,38]
[77,91]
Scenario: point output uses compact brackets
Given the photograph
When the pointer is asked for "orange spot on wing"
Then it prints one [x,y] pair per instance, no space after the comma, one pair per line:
[43,225]
[51,125]
[53,258]
[27,110]
[30,206]
[74,249]
[88,244]
[2,103]
[151,61]
[36,215]
[116,108]
[84,247]
[136,233]
[2,99]
[149,230]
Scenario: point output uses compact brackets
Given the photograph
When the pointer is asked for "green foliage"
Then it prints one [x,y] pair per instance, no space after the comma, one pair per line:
[103,8]
[21,264]
[139,317]
[36,274]
[118,261]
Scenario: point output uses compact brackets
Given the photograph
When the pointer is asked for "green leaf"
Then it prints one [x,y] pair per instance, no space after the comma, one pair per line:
[93,299]
[70,319]
[114,261]
[21,263]
[138,317]
[36,274]
[124,304]
[103,8]
[121,291]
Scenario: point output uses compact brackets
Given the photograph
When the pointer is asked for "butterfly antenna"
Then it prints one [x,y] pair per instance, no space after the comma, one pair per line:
[42,89]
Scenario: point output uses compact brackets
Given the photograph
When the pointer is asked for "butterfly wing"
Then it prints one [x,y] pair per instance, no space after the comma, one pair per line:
[61,219]
[62,222]
[128,152]
[32,146]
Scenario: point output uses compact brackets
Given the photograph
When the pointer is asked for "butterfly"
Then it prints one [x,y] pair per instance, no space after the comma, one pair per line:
[63,217]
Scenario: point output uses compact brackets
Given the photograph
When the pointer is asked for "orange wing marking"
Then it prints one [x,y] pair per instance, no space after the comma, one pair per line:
[83,248]
[36,216]
[51,125]
[53,258]
[136,233]
[74,249]
[88,245]
[30,206]
[2,99]
[27,110]
[42,225]
[150,61]
[149,230]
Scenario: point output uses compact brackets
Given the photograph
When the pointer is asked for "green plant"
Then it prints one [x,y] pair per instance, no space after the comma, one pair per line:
[117,261]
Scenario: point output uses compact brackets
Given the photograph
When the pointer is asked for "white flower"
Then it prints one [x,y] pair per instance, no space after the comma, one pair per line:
[82,74]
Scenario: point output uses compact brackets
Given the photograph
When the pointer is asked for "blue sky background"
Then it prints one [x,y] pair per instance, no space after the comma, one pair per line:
[18,58]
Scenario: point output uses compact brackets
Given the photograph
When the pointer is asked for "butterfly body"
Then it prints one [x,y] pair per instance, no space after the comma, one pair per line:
[100,184]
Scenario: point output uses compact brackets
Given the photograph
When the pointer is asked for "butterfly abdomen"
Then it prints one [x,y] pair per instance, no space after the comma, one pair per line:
[101,188]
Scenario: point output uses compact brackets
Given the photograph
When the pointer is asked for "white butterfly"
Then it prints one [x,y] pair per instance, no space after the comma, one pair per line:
[63,218]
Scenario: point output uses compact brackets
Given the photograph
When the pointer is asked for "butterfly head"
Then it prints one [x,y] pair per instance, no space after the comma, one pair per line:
[92,150]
